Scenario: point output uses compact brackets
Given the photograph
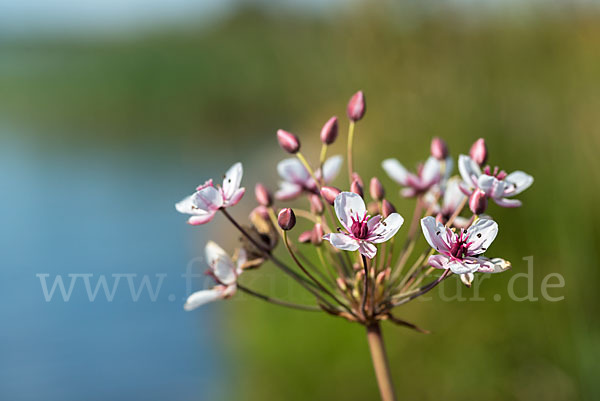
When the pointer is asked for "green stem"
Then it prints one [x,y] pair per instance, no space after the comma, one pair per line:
[350,142]
[380,362]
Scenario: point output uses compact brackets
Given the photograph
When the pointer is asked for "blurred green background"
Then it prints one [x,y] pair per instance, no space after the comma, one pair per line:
[526,78]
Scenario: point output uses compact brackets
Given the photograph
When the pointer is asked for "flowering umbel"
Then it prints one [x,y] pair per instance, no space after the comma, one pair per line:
[368,268]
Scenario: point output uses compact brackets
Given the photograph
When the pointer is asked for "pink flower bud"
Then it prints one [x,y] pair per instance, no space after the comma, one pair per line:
[316,205]
[376,189]
[357,188]
[341,284]
[479,152]
[478,202]
[439,149]
[286,219]
[387,208]
[263,196]
[329,194]
[317,234]
[305,237]
[288,141]
[356,106]
[261,211]
[329,132]
[357,177]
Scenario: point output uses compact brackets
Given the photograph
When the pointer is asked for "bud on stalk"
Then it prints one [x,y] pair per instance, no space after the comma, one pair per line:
[478,202]
[316,205]
[387,208]
[357,188]
[439,149]
[329,132]
[356,106]
[288,141]
[317,234]
[376,189]
[263,196]
[329,194]
[479,152]
[286,219]
[305,237]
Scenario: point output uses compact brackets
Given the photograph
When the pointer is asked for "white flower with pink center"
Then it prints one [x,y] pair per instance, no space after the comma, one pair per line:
[428,175]
[362,230]
[223,270]
[461,251]
[296,179]
[208,199]
[495,184]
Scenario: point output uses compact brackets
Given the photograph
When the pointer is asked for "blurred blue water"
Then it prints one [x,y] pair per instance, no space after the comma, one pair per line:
[99,212]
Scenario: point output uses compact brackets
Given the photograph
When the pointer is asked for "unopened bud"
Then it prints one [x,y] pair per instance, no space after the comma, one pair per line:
[305,237]
[373,208]
[357,188]
[439,149]
[316,204]
[288,141]
[286,219]
[479,152]
[341,284]
[261,211]
[376,189]
[387,208]
[317,234]
[329,194]
[262,194]
[329,132]
[357,177]
[356,106]
[478,202]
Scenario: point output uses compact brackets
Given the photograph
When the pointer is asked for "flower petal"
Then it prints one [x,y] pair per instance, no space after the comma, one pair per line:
[347,205]
[395,170]
[462,268]
[236,197]
[506,202]
[481,235]
[232,180]
[367,249]
[431,172]
[517,182]
[435,233]
[453,196]
[292,170]
[487,183]
[331,168]
[288,191]
[200,298]
[185,206]
[207,199]
[220,263]
[388,228]
[439,261]
[199,219]
[342,241]
[468,170]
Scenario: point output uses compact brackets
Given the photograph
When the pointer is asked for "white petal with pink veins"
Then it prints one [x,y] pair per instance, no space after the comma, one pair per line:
[435,233]
[481,235]
[348,205]
[367,249]
[232,180]
[342,241]
[203,218]
[431,171]
[505,202]
[517,182]
[203,297]
[220,263]
[288,191]
[469,170]
[292,170]
[395,170]
[208,198]
[331,168]
[388,228]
